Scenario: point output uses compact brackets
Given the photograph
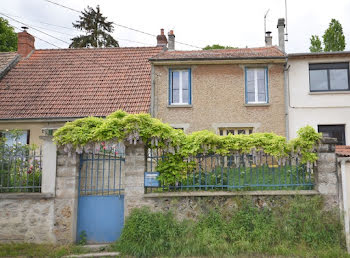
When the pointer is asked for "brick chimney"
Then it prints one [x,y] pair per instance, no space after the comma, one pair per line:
[280,27]
[25,44]
[268,39]
[171,41]
[161,39]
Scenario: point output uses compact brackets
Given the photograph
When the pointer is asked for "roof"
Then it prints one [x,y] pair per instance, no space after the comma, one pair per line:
[7,60]
[319,54]
[222,54]
[69,83]
[342,150]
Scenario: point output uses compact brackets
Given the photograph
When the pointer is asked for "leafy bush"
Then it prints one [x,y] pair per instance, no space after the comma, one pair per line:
[298,228]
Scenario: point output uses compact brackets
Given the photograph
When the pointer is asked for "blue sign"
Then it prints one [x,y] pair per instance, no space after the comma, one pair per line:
[151,179]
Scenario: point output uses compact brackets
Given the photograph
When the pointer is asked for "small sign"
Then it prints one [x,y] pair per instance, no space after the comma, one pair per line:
[151,179]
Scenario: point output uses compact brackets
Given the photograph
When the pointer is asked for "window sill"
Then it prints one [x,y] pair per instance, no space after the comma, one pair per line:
[257,105]
[329,92]
[179,106]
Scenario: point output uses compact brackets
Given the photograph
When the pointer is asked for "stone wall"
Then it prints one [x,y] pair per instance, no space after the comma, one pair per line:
[26,218]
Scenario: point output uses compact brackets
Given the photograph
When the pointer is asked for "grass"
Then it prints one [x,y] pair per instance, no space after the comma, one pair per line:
[299,228]
[39,250]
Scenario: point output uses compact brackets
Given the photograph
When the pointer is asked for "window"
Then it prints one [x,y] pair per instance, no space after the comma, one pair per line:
[180,87]
[235,131]
[18,137]
[256,85]
[334,131]
[329,77]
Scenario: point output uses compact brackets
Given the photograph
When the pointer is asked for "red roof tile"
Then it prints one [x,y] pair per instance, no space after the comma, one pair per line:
[342,150]
[217,54]
[77,83]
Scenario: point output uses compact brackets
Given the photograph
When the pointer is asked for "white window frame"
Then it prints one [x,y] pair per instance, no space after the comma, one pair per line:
[180,87]
[256,88]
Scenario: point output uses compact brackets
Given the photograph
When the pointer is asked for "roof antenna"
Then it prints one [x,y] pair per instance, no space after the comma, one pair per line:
[286,34]
[265,22]
[24,28]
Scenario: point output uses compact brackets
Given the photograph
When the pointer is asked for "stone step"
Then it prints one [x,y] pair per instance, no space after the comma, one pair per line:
[102,254]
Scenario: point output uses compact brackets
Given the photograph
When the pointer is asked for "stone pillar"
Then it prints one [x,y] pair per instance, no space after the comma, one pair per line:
[134,176]
[66,201]
[49,151]
[326,180]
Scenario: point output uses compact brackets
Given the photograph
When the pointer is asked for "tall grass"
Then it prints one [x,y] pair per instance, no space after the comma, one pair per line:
[298,228]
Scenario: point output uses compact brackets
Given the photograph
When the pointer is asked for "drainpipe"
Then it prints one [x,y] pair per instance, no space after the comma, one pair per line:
[286,97]
[152,91]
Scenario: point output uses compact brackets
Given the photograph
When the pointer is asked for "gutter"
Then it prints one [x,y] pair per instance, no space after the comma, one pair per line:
[49,119]
[216,58]
[286,96]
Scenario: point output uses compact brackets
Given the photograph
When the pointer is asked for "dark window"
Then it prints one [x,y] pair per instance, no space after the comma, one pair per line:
[329,77]
[334,131]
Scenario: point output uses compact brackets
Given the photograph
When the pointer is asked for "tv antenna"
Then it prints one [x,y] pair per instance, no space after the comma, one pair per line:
[286,34]
[265,21]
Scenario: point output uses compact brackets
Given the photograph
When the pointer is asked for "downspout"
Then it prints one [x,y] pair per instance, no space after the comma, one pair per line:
[286,97]
[152,111]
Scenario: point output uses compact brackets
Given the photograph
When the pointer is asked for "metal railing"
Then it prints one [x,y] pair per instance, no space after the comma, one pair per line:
[20,169]
[257,171]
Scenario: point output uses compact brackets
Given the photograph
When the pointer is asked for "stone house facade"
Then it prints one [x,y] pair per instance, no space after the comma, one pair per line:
[225,91]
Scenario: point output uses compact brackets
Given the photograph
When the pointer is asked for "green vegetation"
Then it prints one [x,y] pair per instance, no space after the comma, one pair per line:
[8,37]
[217,46]
[39,250]
[300,228]
[119,126]
[333,39]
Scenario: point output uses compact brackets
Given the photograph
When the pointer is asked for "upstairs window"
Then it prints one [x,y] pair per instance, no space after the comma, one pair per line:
[180,87]
[329,77]
[256,85]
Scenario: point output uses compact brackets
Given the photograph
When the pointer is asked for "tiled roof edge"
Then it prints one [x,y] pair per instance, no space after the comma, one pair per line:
[10,65]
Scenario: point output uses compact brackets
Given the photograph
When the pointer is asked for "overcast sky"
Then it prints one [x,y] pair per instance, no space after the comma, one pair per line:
[199,23]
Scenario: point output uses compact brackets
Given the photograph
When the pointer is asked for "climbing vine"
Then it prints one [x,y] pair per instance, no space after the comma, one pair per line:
[81,134]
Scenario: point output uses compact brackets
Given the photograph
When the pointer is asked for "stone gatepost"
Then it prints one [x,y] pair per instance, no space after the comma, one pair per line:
[135,166]
[326,180]
[66,201]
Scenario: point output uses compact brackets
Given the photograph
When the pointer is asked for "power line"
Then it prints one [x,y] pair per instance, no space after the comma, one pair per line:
[39,38]
[34,28]
[120,25]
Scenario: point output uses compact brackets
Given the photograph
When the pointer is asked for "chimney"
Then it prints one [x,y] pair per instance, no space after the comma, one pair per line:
[161,39]
[25,44]
[280,27]
[268,39]
[171,40]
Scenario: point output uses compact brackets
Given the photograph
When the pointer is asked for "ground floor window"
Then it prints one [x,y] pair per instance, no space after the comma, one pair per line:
[235,131]
[334,131]
[15,137]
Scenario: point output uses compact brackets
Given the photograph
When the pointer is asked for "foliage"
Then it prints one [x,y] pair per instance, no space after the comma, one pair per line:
[85,133]
[300,227]
[333,38]
[18,165]
[97,30]
[8,37]
[82,238]
[217,46]
[316,44]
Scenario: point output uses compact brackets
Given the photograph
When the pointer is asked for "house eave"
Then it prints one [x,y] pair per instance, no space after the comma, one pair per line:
[194,61]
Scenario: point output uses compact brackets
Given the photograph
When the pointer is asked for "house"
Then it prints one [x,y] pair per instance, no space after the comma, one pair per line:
[49,87]
[319,93]
[236,91]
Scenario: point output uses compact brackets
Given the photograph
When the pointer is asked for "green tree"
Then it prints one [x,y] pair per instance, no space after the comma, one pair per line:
[316,44]
[333,38]
[217,46]
[97,30]
[8,37]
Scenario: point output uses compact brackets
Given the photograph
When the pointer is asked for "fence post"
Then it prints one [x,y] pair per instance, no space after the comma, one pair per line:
[49,158]
[326,180]
[134,176]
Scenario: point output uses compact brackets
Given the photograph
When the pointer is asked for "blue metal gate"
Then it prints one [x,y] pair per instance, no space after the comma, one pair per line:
[101,196]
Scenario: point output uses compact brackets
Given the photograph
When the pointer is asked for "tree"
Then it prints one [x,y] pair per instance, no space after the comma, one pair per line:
[8,37]
[316,44]
[217,46]
[97,30]
[333,38]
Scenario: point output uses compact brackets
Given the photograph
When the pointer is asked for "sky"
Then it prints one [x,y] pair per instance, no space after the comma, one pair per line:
[197,23]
